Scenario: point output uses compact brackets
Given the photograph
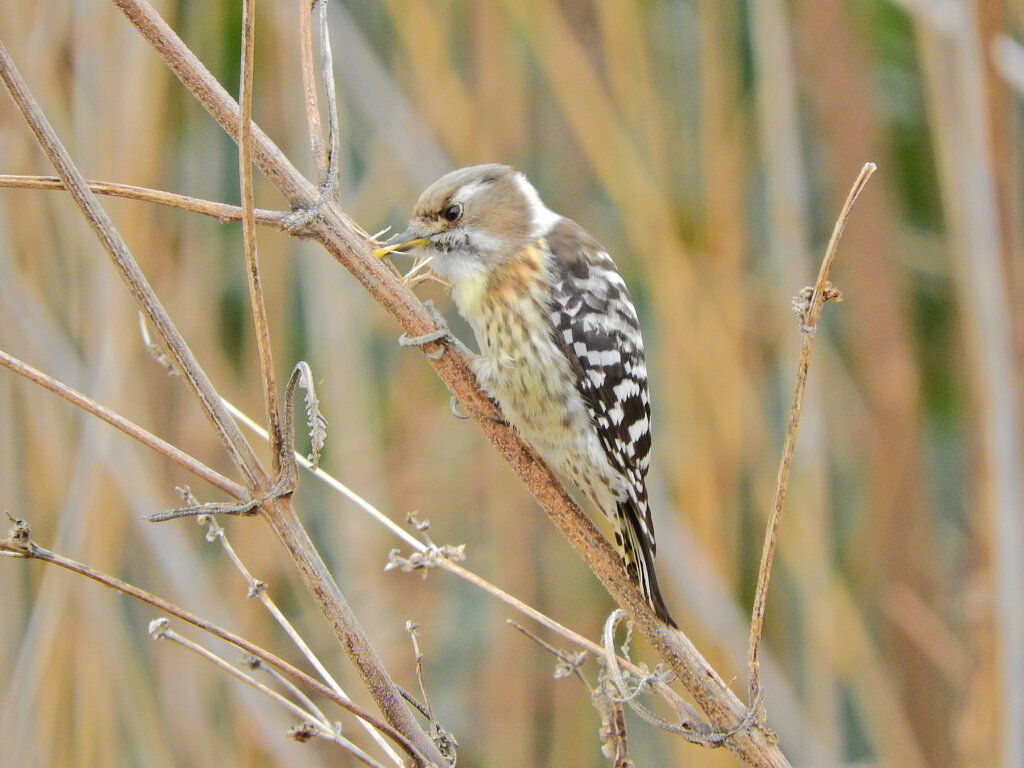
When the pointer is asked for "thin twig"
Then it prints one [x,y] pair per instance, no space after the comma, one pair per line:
[259,311]
[258,589]
[330,168]
[414,632]
[223,212]
[305,701]
[130,428]
[332,173]
[20,544]
[144,296]
[446,742]
[159,629]
[809,322]
[316,130]
[569,663]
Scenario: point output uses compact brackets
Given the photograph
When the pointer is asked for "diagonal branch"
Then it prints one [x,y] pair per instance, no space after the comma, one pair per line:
[19,544]
[278,512]
[138,286]
[130,428]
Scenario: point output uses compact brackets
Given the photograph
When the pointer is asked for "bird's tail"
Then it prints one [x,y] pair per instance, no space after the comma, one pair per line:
[637,552]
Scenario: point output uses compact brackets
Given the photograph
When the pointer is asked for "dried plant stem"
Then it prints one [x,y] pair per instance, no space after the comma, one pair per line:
[221,211]
[20,545]
[809,326]
[324,152]
[130,428]
[144,296]
[278,512]
[160,630]
[316,130]
[252,271]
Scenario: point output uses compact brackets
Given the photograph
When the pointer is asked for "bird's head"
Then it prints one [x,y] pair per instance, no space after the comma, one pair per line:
[473,220]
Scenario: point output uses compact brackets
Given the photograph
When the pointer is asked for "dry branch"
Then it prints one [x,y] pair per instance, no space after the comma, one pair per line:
[809,311]
[278,511]
[130,428]
[223,212]
[19,544]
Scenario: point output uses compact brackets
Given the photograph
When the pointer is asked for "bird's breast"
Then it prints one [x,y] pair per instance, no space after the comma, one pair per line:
[521,366]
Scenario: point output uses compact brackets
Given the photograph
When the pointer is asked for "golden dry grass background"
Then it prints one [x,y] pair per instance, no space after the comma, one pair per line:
[709,146]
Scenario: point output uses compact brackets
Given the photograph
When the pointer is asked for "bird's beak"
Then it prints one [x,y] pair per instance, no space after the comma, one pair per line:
[406,242]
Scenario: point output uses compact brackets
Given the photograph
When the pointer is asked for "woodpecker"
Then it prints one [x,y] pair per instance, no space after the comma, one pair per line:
[560,346]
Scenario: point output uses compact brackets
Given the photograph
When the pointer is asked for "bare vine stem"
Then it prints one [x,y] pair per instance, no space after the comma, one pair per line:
[809,315]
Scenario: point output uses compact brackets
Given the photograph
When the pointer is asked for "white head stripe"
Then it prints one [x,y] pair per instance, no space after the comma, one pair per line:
[466,191]
[543,218]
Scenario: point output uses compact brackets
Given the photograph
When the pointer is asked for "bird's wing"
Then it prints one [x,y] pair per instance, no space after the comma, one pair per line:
[596,326]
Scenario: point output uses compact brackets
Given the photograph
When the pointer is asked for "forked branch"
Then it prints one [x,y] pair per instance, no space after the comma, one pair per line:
[277,511]
[20,544]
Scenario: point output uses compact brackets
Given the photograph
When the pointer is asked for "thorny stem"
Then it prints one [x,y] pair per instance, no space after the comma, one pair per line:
[809,323]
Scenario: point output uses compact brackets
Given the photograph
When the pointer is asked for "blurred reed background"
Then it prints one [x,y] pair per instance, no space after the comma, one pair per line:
[709,146]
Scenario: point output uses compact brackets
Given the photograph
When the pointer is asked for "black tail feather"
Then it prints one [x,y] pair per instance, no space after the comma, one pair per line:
[638,557]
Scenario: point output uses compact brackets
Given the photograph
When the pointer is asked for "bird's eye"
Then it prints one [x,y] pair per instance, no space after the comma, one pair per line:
[453,212]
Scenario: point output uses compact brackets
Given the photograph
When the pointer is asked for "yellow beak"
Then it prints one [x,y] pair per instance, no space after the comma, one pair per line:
[418,242]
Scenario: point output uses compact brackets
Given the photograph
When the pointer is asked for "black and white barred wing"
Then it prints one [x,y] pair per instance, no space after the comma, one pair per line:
[596,326]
